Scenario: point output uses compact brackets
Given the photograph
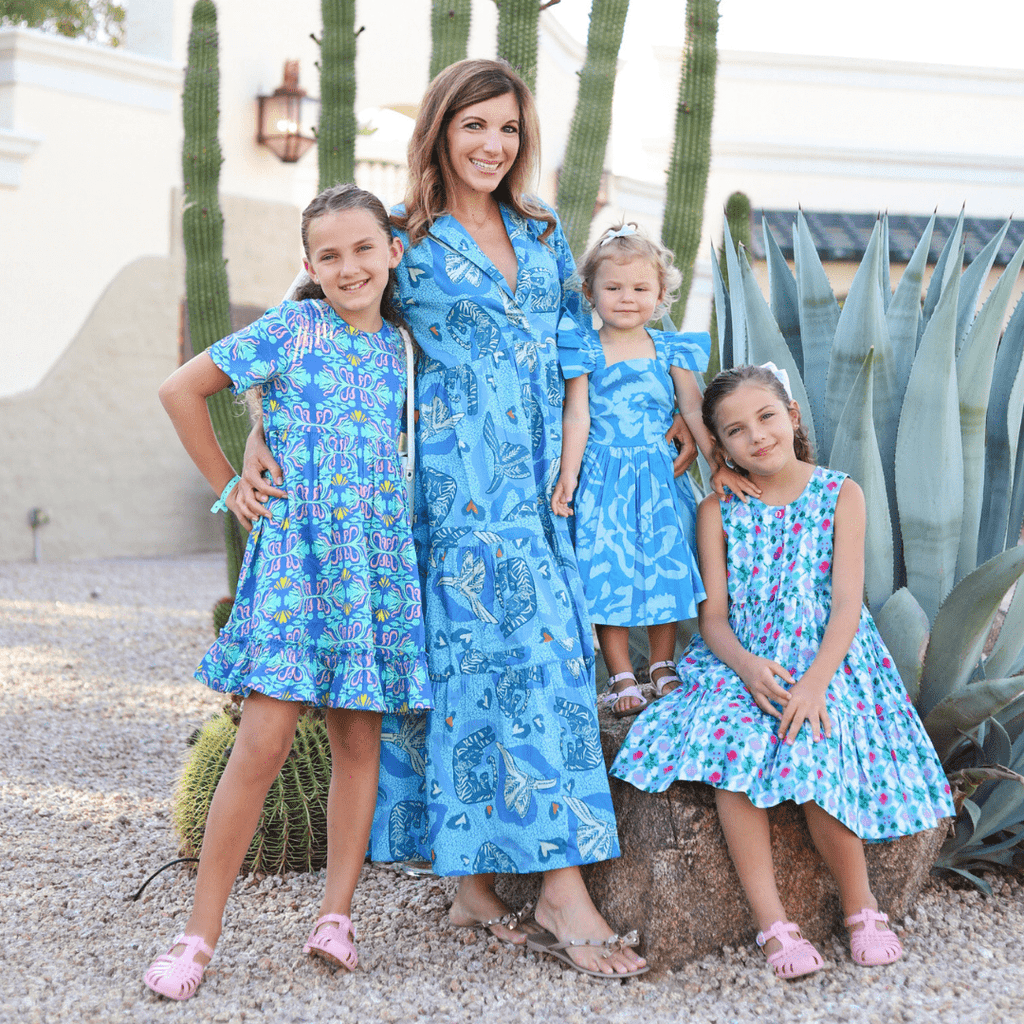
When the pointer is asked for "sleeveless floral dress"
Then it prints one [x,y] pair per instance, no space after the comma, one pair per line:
[878,773]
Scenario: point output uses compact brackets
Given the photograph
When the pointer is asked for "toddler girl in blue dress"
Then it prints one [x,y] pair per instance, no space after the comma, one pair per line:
[327,611]
[634,516]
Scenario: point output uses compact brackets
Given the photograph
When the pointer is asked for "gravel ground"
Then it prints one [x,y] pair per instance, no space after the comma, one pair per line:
[96,702]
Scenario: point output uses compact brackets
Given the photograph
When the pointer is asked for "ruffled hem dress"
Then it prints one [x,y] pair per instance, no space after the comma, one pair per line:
[633,519]
[328,609]
[878,773]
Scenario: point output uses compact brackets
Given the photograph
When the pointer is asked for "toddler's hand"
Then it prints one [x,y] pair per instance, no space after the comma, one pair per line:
[763,687]
[806,704]
[743,487]
[561,497]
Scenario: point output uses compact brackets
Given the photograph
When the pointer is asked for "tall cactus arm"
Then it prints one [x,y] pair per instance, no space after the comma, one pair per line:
[580,177]
[336,133]
[449,33]
[691,150]
[517,35]
[206,278]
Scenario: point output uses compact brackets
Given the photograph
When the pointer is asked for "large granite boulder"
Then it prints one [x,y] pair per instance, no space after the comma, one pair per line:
[676,883]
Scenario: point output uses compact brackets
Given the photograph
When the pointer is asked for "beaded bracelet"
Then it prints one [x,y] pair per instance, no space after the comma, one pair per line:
[221,504]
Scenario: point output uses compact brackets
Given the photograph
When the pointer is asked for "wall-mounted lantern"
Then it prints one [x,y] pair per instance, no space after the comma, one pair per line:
[284,120]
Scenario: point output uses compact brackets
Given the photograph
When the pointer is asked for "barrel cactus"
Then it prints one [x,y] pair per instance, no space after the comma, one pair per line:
[206,279]
[691,147]
[922,405]
[292,831]
[449,33]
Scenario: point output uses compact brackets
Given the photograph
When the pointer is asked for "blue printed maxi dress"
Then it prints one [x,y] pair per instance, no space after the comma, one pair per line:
[878,773]
[328,608]
[508,773]
[634,520]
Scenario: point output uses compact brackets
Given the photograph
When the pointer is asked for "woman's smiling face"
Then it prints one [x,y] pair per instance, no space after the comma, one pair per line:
[483,143]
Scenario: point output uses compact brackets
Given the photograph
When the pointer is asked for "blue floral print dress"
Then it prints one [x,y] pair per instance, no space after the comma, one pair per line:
[328,608]
[634,521]
[507,775]
[878,774]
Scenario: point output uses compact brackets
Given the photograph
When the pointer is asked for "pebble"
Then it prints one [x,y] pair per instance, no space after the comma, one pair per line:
[97,701]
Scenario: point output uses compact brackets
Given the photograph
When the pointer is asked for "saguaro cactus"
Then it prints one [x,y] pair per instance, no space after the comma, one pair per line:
[580,177]
[691,150]
[517,36]
[336,133]
[206,279]
[449,33]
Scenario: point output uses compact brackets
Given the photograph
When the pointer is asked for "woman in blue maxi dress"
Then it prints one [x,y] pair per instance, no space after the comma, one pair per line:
[507,774]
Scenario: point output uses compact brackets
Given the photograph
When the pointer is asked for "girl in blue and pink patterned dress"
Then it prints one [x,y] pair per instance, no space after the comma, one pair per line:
[789,692]
[327,612]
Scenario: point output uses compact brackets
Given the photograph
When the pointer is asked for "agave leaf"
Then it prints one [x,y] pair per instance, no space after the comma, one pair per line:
[979,883]
[884,273]
[782,295]
[765,341]
[944,267]
[1005,658]
[962,626]
[971,283]
[737,320]
[861,327]
[1011,718]
[904,313]
[965,781]
[819,314]
[723,316]
[1002,806]
[855,451]
[1002,426]
[996,747]
[929,461]
[1015,519]
[963,831]
[966,708]
[904,628]
[974,378]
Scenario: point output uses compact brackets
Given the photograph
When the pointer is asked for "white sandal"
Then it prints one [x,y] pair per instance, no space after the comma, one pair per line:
[613,697]
[660,688]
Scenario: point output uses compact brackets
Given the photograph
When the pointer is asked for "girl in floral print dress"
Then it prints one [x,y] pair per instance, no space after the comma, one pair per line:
[327,611]
[789,692]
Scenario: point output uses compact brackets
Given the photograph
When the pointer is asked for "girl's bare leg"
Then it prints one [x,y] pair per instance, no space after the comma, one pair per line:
[566,910]
[662,639]
[264,739]
[746,832]
[843,854]
[614,641]
[355,769]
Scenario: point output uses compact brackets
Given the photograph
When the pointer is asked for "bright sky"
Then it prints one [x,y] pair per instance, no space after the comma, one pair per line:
[985,33]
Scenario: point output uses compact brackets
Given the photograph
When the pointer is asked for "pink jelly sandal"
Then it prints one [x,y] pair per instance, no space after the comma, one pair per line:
[668,682]
[334,944]
[871,946]
[797,956]
[178,977]
[613,697]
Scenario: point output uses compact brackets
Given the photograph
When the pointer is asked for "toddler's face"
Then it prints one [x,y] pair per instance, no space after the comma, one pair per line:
[756,429]
[626,294]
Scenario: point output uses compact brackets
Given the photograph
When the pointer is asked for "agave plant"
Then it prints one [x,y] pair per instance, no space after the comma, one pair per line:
[921,403]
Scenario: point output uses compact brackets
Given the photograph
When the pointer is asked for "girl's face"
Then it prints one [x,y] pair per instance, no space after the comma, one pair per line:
[483,143]
[350,257]
[626,294]
[756,429]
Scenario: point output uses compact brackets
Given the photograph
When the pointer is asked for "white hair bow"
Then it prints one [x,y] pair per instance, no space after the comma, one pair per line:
[624,232]
[781,376]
